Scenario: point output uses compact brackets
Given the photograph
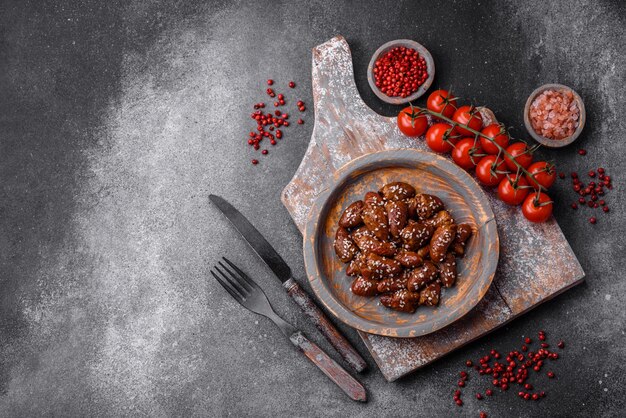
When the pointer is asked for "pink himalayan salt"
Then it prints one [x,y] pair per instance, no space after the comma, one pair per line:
[554,114]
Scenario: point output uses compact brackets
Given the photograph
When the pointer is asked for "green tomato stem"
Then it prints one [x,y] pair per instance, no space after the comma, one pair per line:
[478,133]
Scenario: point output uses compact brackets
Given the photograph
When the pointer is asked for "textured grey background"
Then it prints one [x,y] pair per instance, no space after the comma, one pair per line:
[118,119]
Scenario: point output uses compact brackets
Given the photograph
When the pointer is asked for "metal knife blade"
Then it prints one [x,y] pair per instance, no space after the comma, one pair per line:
[283,272]
[254,238]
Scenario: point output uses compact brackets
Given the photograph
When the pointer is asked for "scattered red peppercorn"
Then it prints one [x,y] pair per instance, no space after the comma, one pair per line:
[561,175]
[593,220]
[292,84]
[582,152]
[482,415]
[512,372]
[300,121]
[268,122]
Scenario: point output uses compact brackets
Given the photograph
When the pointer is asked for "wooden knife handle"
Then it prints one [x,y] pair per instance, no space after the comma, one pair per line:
[335,372]
[321,321]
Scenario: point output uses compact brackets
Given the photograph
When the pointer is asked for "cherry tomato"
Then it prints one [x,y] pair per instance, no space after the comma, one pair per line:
[437,137]
[411,123]
[537,208]
[498,134]
[544,173]
[467,152]
[441,101]
[512,190]
[468,116]
[521,153]
[488,170]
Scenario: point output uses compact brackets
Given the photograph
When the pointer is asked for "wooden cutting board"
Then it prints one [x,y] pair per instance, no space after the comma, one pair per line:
[536,261]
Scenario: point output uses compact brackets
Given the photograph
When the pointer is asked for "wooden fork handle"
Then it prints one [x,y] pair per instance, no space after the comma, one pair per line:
[334,371]
[321,321]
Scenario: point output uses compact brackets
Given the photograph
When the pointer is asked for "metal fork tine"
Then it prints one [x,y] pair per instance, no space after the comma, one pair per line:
[248,280]
[243,283]
[228,288]
[234,283]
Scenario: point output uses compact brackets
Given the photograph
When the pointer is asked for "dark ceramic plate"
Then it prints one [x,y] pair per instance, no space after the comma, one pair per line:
[428,173]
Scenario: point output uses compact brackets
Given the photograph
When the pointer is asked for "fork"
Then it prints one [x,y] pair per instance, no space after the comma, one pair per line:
[245,291]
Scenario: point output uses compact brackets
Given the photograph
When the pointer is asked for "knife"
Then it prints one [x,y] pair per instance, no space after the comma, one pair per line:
[276,263]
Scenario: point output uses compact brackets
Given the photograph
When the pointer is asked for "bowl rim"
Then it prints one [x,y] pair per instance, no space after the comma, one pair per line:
[430,65]
[315,221]
[554,143]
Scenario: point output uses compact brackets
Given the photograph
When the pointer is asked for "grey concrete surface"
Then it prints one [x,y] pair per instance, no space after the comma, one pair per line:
[117,119]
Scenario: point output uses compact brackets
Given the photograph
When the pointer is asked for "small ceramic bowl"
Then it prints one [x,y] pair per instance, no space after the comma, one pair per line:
[554,143]
[430,66]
